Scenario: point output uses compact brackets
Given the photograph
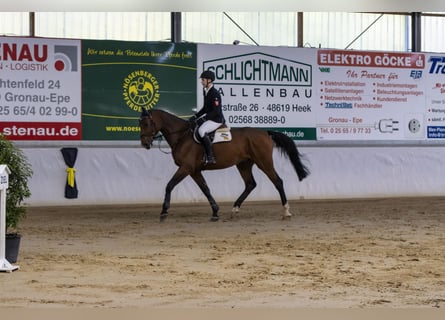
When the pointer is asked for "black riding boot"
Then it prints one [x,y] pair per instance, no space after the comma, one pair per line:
[210,158]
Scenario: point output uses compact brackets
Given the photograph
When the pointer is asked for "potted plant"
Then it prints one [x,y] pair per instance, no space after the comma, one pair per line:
[17,192]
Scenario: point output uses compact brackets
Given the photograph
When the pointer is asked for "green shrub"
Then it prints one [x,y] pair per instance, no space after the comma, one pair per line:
[18,189]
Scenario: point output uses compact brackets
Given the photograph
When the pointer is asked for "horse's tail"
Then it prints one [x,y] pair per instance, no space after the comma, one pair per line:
[287,147]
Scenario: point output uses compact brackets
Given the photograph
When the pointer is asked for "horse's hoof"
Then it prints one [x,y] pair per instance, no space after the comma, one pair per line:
[214,218]
[163,217]
[234,213]
[286,217]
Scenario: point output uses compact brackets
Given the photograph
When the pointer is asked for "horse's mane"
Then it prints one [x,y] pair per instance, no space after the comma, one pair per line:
[167,114]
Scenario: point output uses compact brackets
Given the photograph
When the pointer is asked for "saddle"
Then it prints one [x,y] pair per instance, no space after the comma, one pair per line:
[222,134]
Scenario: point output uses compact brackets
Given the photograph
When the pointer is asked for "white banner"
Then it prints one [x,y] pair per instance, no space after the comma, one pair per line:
[435,100]
[370,95]
[40,88]
[266,87]
[327,95]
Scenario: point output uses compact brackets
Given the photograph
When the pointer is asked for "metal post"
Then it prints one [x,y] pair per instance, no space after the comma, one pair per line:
[300,29]
[32,24]
[416,37]
[4,264]
[176,20]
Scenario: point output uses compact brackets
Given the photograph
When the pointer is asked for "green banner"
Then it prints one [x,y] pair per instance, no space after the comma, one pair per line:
[121,77]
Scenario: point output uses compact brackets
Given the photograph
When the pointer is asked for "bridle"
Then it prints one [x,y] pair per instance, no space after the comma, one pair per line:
[155,135]
[153,127]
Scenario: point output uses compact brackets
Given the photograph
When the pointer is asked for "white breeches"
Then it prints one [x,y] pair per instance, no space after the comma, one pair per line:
[207,127]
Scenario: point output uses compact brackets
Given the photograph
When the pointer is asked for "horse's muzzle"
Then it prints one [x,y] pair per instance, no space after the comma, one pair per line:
[146,142]
[146,145]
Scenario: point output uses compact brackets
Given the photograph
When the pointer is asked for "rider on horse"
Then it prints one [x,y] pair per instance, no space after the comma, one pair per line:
[210,117]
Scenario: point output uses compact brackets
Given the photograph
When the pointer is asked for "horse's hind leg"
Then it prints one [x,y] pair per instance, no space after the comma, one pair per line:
[200,181]
[278,183]
[245,170]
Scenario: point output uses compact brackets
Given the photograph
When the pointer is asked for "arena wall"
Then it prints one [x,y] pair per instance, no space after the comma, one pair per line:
[133,175]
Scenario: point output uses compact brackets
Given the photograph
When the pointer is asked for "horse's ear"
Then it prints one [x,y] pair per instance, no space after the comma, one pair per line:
[145,112]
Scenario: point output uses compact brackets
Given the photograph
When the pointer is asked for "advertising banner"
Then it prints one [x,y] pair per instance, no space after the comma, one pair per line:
[435,100]
[120,78]
[94,90]
[264,87]
[371,95]
[40,89]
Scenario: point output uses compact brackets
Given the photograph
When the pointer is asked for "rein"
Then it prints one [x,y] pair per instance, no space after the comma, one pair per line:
[158,137]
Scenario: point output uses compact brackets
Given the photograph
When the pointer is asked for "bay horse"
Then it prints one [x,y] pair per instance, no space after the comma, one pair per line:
[249,146]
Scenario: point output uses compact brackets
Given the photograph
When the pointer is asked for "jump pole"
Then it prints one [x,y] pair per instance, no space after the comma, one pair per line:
[5,266]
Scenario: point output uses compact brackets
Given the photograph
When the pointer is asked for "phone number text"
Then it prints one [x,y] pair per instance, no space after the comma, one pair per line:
[248,119]
[38,111]
[346,130]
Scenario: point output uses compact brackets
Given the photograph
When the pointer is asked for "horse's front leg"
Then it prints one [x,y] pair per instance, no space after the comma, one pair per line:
[201,182]
[245,170]
[179,175]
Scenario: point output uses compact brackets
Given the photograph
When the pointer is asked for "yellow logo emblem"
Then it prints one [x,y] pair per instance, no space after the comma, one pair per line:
[141,89]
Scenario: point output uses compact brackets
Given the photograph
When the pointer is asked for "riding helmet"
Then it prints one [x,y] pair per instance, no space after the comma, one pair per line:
[208,75]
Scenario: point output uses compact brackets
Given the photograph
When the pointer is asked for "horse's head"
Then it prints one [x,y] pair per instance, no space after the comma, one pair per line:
[148,128]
